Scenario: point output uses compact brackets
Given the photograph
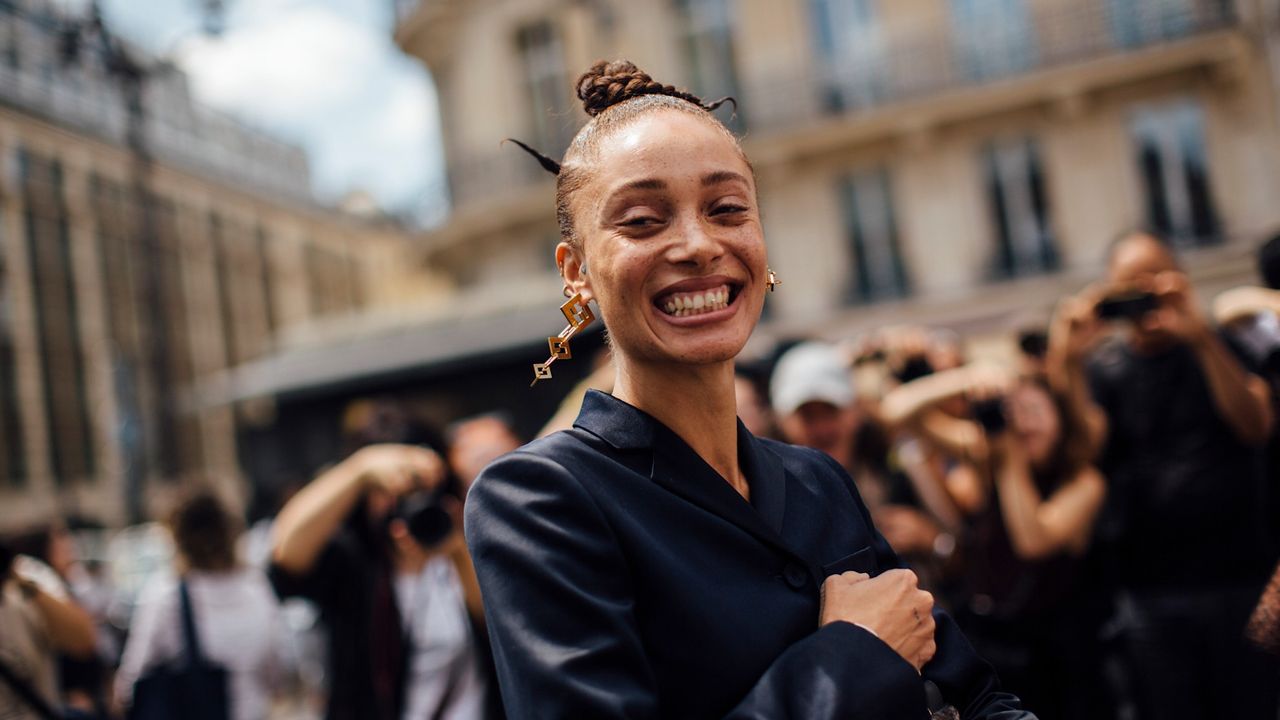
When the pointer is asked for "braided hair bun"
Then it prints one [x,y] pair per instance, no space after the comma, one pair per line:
[608,83]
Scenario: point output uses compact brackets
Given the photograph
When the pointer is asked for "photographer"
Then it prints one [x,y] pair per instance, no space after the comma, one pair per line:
[1180,423]
[368,541]
[37,621]
[1029,504]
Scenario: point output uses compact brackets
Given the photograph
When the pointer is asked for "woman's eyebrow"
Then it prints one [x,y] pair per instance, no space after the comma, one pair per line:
[721,176]
[643,184]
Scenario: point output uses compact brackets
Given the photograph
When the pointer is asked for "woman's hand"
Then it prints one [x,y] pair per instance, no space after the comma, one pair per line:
[398,469]
[891,606]
[1179,313]
[988,381]
[1076,328]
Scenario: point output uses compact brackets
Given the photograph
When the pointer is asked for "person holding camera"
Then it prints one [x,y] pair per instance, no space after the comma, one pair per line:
[1029,501]
[369,541]
[38,620]
[1180,421]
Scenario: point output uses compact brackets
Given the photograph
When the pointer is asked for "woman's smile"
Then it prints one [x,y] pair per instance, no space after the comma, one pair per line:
[698,301]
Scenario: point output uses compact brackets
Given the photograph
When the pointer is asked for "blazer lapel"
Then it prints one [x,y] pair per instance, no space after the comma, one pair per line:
[767,476]
[680,470]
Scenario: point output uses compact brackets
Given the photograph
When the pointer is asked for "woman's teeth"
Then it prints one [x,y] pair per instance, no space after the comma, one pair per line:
[697,303]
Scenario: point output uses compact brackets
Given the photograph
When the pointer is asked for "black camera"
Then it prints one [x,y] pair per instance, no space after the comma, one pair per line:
[990,415]
[426,516]
[1131,306]
[915,367]
[6,560]
[1033,343]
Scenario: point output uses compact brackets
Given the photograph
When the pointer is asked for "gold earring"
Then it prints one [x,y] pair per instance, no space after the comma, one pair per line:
[579,315]
[774,281]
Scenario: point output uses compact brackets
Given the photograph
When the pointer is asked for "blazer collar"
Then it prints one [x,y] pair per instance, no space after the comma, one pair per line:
[679,469]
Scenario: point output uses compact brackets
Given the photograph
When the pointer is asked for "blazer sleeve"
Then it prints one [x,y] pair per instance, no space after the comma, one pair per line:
[965,680]
[560,609]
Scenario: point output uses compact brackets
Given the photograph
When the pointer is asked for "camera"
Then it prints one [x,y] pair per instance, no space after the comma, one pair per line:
[990,415]
[1033,343]
[915,367]
[1129,306]
[6,560]
[426,517]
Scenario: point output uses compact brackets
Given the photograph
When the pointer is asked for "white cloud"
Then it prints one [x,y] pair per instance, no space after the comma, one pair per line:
[323,73]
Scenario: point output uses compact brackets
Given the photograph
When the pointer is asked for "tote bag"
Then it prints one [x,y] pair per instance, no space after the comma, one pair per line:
[189,688]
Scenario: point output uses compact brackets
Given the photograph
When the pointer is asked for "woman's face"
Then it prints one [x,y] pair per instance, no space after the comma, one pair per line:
[672,240]
[1033,417]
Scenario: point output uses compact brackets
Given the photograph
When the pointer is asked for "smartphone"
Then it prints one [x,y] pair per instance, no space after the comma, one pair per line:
[1127,306]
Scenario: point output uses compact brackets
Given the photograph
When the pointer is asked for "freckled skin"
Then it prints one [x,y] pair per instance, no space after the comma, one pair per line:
[639,241]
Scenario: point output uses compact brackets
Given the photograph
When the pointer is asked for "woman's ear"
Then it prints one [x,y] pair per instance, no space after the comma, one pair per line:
[573,267]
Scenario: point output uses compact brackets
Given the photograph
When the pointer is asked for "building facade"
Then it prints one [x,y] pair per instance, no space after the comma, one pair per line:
[143,251]
[949,162]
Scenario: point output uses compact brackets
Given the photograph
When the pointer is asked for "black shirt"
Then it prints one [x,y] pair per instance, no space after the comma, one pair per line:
[1185,503]
[342,584]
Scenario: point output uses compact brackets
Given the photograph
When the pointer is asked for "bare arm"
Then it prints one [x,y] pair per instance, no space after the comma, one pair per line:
[70,627]
[310,520]
[914,406]
[1075,329]
[1040,527]
[1242,398]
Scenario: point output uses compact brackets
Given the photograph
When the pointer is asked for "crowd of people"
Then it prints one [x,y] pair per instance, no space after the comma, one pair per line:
[1099,511]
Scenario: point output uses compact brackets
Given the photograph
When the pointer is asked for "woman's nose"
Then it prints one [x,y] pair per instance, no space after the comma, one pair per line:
[695,244]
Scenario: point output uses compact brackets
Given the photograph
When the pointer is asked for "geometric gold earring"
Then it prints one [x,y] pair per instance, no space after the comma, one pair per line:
[579,315]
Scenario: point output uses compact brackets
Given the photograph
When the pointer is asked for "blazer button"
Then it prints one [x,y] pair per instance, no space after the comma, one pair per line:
[795,576]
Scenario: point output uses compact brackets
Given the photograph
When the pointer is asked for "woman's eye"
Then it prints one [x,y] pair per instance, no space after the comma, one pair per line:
[728,209]
[642,221]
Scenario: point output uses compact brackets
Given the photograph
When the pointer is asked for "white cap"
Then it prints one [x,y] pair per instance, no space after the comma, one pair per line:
[808,372]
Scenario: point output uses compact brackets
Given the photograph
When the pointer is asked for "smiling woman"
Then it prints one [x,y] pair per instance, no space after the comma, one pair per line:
[657,560]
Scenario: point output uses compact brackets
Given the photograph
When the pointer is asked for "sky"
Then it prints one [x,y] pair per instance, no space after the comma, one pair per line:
[324,74]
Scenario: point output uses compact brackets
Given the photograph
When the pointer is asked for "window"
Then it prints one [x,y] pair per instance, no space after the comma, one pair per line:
[268,279]
[872,232]
[9,40]
[219,241]
[707,26]
[327,279]
[13,457]
[178,437]
[1019,211]
[118,253]
[546,83]
[1174,169]
[62,359]
[852,49]
[994,38]
[1140,22]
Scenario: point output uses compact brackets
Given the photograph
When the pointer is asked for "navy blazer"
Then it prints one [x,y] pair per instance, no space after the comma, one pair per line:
[624,578]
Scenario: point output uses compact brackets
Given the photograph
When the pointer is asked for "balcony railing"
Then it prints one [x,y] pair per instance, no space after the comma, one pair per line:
[889,65]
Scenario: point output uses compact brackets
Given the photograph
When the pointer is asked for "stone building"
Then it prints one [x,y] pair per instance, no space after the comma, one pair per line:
[141,253]
[951,162]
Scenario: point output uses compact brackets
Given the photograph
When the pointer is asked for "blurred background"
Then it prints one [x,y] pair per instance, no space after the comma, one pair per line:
[223,221]
[179,299]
